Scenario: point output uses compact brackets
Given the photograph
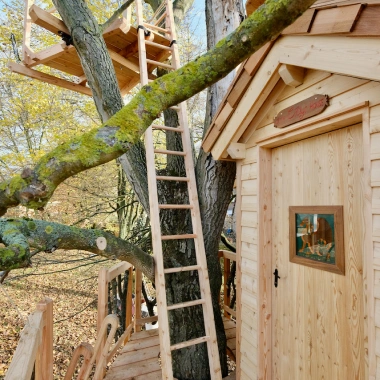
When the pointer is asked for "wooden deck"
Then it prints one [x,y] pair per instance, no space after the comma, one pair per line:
[139,359]
[122,45]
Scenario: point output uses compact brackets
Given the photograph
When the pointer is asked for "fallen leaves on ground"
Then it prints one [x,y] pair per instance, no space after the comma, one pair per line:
[71,292]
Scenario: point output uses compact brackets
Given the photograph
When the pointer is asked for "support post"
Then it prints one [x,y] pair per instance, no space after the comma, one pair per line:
[44,359]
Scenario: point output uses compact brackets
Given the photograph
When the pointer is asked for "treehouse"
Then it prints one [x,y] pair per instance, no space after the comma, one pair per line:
[301,121]
[122,43]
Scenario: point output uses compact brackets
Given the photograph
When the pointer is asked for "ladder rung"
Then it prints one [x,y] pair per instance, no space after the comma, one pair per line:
[158,10]
[174,207]
[191,342]
[178,237]
[168,178]
[155,44]
[142,321]
[156,63]
[150,26]
[173,152]
[165,128]
[182,269]
[157,21]
[181,305]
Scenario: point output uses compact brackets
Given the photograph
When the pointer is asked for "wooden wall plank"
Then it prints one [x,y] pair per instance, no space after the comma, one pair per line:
[249,203]
[251,155]
[249,267]
[249,219]
[377,284]
[249,284]
[249,234]
[375,173]
[342,55]
[374,113]
[249,187]
[249,171]
[249,251]
[375,146]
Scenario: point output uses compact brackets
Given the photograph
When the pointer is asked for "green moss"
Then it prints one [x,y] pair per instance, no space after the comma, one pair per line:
[16,184]
[31,225]
[49,229]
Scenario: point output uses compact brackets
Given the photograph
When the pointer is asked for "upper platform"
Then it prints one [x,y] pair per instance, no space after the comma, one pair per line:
[121,41]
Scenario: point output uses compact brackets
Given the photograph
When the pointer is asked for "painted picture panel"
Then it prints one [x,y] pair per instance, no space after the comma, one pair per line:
[316,237]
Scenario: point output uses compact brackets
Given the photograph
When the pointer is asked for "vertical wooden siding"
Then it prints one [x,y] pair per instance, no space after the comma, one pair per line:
[343,91]
[248,275]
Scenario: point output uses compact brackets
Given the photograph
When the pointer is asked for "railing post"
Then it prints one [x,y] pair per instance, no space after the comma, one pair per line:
[227,297]
[128,316]
[102,304]
[138,293]
[44,360]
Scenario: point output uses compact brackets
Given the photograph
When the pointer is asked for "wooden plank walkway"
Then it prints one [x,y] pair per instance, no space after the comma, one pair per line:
[139,359]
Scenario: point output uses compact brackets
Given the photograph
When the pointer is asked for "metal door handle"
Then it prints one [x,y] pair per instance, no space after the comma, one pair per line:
[276,277]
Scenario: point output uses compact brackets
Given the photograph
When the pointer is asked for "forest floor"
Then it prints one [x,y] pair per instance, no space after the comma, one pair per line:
[74,295]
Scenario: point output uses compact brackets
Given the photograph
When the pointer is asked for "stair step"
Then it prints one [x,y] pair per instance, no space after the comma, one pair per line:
[191,342]
[155,44]
[168,178]
[157,63]
[182,305]
[174,207]
[178,237]
[182,269]
[165,128]
[150,26]
[172,152]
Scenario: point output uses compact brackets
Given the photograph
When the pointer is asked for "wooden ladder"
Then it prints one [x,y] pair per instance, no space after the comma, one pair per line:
[164,15]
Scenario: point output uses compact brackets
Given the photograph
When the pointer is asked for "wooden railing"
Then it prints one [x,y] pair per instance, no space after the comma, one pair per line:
[227,258]
[34,352]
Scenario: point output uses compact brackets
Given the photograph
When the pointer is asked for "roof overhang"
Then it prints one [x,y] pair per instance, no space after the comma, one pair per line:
[258,82]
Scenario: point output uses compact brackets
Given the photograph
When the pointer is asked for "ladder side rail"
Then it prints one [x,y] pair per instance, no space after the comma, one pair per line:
[204,283]
[26,50]
[166,361]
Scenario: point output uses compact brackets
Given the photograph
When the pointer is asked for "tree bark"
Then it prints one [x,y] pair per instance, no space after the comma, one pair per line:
[20,234]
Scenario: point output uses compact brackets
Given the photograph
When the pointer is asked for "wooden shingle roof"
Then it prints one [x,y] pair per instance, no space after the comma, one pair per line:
[325,17]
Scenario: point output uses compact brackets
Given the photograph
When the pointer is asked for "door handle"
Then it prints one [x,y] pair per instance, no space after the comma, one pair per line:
[276,277]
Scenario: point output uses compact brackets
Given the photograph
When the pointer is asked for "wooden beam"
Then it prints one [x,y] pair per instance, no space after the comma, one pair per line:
[44,362]
[236,151]
[20,69]
[49,54]
[26,58]
[291,75]
[23,360]
[124,62]
[47,20]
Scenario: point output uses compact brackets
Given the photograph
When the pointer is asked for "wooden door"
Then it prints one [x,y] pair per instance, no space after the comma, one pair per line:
[318,329]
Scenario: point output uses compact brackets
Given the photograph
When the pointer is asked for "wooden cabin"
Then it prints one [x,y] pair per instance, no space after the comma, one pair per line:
[302,122]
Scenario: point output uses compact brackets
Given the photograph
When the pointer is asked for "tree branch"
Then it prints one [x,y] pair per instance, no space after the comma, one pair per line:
[116,15]
[20,234]
[33,188]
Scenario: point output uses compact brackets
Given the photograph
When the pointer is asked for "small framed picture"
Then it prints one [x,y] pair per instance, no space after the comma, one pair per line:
[316,237]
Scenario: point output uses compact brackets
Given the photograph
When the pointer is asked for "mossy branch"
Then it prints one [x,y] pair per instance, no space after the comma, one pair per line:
[18,235]
[34,187]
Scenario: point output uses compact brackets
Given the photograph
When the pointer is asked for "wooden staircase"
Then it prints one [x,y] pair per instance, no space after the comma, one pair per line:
[163,23]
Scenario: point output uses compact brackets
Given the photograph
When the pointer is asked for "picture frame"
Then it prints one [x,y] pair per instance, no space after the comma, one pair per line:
[316,237]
